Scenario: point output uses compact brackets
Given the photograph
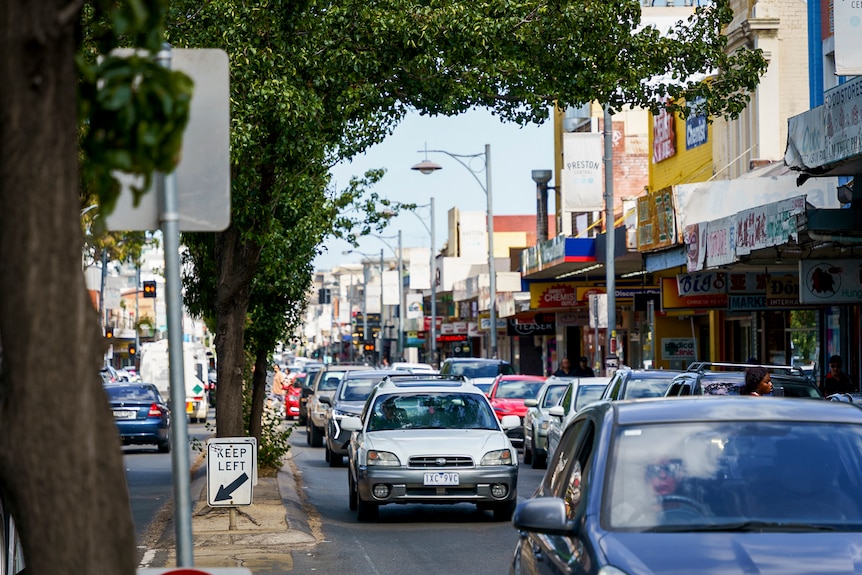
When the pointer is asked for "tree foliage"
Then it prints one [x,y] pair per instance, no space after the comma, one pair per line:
[315,82]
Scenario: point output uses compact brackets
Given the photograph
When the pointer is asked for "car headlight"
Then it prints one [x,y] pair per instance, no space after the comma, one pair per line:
[499,457]
[338,414]
[543,426]
[381,458]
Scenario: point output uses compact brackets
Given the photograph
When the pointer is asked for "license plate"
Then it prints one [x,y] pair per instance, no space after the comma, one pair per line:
[441,478]
[123,414]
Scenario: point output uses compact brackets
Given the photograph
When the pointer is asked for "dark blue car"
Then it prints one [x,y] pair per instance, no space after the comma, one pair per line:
[141,414]
[702,485]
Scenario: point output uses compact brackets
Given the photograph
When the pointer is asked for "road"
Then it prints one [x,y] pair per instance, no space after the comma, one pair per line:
[415,539]
[149,476]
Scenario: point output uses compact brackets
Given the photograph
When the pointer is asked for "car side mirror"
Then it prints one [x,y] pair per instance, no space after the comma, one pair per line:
[351,423]
[557,411]
[510,421]
[545,515]
[531,403]
[325,399]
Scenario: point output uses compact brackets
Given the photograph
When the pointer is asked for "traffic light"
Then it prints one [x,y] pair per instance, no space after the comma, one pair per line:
[109,333]
[133,351]
[369,347]
[150,288]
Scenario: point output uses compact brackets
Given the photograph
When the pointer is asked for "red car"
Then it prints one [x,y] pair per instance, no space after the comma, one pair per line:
[293,396]
[507,396]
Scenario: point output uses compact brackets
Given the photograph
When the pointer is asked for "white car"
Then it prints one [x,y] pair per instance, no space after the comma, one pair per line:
[581,392]
[430,439]
[413,367]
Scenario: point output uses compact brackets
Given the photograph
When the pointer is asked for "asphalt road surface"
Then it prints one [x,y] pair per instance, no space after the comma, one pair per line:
[412,539]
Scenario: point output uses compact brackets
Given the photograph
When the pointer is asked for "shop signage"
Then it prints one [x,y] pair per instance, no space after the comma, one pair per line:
[664,136]
[678,348]
[553,295]
[538,324]
[782,290]
[694,284]
[445,338]
[830,281]
[656,221]
[671,299]
[574,318]
[846,16]
[696,130]
[746,302]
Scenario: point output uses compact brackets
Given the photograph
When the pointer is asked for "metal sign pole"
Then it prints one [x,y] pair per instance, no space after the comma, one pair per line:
[169,218]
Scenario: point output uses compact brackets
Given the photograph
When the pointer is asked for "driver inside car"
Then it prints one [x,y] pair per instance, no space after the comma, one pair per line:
[662,501]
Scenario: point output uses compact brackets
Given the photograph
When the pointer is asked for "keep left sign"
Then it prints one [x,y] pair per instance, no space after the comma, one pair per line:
[231,470]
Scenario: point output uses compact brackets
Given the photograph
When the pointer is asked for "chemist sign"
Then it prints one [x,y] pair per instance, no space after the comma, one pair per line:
[231,470]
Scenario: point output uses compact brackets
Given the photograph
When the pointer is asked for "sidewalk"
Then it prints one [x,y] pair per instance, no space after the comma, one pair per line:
[266,531]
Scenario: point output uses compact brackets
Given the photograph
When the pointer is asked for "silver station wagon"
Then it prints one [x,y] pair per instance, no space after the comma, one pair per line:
[430,439]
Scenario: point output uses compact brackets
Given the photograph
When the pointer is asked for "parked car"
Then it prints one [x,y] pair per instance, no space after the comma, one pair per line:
[141,414]
[430,439]
[349,399]
[536,420]
[708,486]
[480,372]
[715,378]
[581,391]
[325,383]
[507,396]
[629,383]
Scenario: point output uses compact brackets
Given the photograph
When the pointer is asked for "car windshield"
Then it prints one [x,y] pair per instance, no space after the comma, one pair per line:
[442,410]
[553,395]
[132,393]
[639,387]
[749,475]
[357,389]
[481,369]
[517,389]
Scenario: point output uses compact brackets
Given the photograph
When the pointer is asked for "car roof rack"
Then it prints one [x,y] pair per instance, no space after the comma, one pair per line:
[407,379]
[700,366]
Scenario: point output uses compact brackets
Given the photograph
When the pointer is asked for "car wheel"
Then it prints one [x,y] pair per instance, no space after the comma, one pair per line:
[504,511]
[316,436]
[351,492]
[528,451]
[366,510]
[164,446]
[333,459]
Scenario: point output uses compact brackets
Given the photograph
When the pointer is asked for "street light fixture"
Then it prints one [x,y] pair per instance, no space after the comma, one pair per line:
[432,348]
[427,167]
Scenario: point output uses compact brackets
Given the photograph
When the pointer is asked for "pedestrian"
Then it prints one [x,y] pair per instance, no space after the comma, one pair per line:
[565,369]
[837,381]
[584,369]
[278,381]
[757,381]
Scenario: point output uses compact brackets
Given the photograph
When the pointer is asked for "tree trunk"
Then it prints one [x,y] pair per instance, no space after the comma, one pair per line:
[236,263]
[61,469]
[258,394]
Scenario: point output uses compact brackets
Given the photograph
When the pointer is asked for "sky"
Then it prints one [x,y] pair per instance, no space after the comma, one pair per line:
[515,152]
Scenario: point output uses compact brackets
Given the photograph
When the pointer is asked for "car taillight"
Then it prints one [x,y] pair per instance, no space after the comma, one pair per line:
[154,411]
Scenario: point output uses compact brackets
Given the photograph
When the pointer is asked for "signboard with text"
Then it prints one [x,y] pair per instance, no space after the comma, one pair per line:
[231,470]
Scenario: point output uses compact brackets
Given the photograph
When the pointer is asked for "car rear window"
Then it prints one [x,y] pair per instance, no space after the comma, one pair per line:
[131,393]
[640,387]
[357,389]
[517,389]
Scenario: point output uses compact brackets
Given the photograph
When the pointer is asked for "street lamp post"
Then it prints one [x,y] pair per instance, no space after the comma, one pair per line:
[427,167]
[398,254]
[610,229]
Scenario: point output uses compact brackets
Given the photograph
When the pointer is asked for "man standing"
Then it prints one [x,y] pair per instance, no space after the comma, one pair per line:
[565,369]
[584,369]
[837,381]
[278,381]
